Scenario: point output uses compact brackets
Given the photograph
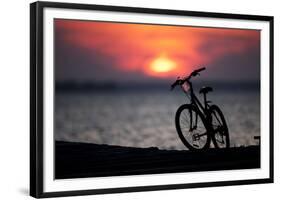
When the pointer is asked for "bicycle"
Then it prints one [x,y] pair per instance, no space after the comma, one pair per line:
[198,124]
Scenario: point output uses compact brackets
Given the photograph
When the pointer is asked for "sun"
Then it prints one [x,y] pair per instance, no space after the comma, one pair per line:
[162,65]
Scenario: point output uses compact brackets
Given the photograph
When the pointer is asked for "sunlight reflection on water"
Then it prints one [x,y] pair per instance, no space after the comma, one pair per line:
[145,119]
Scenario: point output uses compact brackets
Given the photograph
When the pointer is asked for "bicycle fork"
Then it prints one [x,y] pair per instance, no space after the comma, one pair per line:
[193,126]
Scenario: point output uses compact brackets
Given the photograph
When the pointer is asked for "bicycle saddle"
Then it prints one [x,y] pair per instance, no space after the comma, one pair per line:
[205,90]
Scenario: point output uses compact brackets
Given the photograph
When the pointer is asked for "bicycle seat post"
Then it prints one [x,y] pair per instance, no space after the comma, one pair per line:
[205,100]
[204,91]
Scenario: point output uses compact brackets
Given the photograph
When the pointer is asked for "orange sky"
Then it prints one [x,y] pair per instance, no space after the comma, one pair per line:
[154,50]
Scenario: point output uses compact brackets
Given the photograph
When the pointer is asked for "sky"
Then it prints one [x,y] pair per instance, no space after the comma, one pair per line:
[92,51]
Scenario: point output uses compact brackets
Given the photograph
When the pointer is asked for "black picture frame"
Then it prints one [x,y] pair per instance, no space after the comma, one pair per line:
[37,98]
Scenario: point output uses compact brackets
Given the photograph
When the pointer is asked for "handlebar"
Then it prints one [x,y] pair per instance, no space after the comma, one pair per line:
[181,81]
[198,70]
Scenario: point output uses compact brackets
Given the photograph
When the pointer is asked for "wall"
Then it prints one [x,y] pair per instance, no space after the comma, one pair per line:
[14,106]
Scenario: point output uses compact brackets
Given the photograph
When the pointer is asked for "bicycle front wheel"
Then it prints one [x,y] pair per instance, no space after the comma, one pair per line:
[220,135]
[192,127]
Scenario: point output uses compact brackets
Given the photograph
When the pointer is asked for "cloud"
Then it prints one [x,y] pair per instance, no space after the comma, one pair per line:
[101,49]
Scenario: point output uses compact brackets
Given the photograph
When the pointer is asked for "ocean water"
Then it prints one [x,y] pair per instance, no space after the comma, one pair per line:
[142,118]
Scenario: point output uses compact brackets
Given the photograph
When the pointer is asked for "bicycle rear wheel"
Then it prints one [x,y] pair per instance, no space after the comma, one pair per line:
[192,127]
[220,136]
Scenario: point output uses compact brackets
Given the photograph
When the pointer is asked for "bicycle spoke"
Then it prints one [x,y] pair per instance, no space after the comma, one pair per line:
[186,117]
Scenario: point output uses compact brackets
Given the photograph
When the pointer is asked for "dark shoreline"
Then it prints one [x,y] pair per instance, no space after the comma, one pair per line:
[79,160]
[92,87]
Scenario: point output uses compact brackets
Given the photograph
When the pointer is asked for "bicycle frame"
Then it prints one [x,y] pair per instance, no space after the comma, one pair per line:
[196,102]
[203,109]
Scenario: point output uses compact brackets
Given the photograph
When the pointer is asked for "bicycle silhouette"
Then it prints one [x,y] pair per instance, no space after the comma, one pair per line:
[198,124]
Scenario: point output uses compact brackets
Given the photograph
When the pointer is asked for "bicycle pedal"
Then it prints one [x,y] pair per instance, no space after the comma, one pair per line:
[195,145]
